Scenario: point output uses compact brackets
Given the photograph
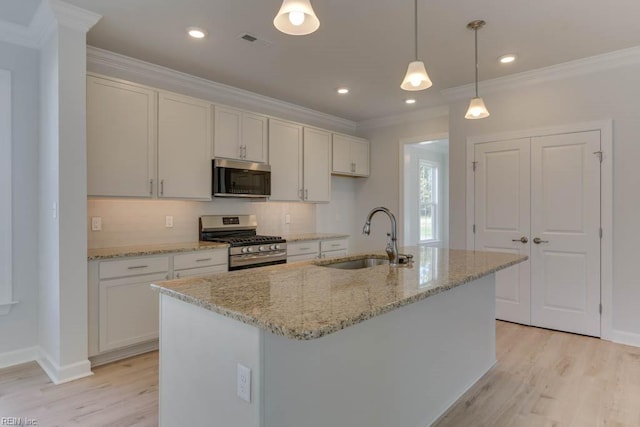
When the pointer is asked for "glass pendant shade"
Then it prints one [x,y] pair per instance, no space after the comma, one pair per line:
[416,77]
[297,18]
[477,109]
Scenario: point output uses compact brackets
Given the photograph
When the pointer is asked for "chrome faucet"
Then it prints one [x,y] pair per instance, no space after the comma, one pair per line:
[392,242]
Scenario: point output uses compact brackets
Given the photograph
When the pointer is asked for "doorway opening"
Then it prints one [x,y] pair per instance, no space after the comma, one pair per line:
[424,192]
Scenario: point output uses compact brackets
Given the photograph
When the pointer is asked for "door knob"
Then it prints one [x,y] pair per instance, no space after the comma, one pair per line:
[523,239]
[538,240]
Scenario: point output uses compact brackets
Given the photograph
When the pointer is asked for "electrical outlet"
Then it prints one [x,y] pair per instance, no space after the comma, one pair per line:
[96,223]
[168,221]
[244,383]
[287,219]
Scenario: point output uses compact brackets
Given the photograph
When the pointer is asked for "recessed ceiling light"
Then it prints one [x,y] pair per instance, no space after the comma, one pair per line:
[507,59]
[342,90]
[196,33]
[410,101]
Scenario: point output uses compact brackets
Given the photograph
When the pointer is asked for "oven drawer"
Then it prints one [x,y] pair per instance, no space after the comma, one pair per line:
[303,248]
[200,259]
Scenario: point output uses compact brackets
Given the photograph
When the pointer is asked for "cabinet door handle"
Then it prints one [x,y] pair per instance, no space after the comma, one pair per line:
[523,239]
[306,194]
[203,259]
[245,151]
[538,240]
[161,187]
[353,166]
[151,186]
[177,275]
[137,267]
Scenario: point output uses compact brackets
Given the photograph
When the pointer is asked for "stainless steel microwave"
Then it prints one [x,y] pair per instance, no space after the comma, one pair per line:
[236,178]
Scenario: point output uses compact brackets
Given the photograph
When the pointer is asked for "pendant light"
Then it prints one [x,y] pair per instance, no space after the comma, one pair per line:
[296,17]
[416,77]
[476,110]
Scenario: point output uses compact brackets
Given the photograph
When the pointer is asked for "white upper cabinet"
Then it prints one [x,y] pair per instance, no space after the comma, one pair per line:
[350,156]
[121,139]
[285,154]
[184,147]
[240,135]
[300,160]
[317,165]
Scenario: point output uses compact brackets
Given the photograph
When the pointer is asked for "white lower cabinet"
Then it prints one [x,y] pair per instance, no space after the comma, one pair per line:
[123,308]
[315,249]
[334,248]
[128,311]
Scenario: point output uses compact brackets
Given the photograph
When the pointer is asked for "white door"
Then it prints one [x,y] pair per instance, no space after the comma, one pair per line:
[565,220]
[502,220]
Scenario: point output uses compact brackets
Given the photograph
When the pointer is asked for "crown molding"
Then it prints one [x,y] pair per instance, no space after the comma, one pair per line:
[73,17]
[48,15]
[117,65]
[593,64]
[398,119]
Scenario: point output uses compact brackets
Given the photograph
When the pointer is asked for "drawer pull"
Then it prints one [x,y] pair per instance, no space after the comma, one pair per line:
[137,267]
[304,249]
[203,259]
[335,245]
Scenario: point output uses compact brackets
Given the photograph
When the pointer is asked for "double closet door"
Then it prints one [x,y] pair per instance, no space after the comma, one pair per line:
[540,197]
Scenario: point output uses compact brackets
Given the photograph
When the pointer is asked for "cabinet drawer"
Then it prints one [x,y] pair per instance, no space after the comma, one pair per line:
[303,248]
[333,245]
[134,267]
[334,254]
[304,257]
[201,271]
[200,259]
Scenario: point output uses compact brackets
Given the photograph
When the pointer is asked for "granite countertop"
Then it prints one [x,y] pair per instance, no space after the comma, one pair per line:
[142,250]
[290,238]
[305,300]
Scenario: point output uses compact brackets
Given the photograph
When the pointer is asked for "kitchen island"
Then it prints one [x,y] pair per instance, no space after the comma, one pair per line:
[373,347]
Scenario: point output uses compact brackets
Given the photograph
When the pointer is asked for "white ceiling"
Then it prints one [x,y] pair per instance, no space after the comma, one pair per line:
[363,44]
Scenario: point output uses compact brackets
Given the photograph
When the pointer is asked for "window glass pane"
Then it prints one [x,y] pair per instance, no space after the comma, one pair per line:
[427,199]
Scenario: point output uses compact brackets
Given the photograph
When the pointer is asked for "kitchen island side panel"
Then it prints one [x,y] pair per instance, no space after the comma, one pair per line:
[199,353]
[402,368]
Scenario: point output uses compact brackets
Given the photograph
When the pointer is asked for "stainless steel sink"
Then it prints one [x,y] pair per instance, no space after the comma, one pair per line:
[357,263]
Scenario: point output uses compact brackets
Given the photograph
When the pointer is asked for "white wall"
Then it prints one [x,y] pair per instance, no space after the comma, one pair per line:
[381,188]
[18,329]
[610,94]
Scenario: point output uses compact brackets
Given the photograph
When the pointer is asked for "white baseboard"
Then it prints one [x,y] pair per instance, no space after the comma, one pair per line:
[627,338]
[134,350]
[63,374]
[18,357]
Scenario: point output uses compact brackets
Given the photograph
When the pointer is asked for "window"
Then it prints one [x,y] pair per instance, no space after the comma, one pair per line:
[5,192]
[428,201]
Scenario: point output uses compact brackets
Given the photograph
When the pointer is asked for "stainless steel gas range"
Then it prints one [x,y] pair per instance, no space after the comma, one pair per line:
[247,249]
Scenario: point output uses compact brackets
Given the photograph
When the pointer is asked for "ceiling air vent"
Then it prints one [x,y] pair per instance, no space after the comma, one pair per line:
[248,37]
[254,40]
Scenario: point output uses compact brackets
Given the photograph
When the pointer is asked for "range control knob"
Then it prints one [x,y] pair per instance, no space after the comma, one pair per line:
[249,249]
[244,250]
[273,247]
[261,249]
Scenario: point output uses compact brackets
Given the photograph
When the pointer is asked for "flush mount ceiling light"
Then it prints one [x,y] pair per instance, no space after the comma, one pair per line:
[476,110]
[507,59]
[342,90]
[196,33]
[416,77]
[409,101]
[297,18]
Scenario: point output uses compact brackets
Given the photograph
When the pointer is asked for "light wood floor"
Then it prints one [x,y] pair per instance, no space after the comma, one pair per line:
[543,378]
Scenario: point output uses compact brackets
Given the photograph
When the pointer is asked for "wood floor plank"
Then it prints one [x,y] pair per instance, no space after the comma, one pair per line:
[542,378]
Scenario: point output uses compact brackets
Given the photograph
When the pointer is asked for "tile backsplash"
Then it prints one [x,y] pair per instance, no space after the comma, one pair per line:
[128,222]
